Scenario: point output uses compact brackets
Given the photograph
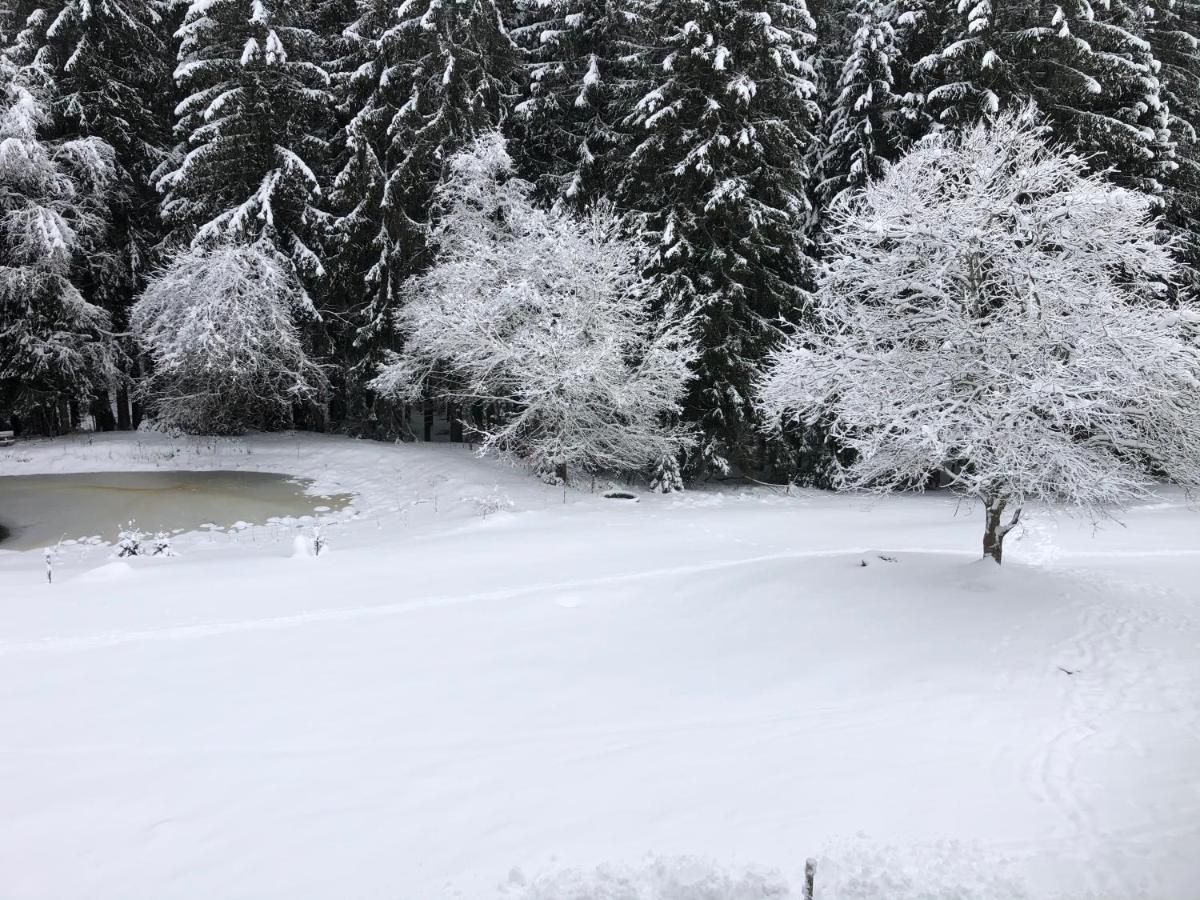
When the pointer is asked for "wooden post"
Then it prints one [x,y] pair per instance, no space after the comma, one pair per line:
[810,877]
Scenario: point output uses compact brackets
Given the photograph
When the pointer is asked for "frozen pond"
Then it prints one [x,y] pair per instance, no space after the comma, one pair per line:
[38,510]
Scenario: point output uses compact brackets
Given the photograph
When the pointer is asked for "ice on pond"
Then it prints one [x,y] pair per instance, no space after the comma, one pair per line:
[38,510]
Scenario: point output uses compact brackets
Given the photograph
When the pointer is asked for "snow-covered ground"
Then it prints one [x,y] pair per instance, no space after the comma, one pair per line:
[453,704]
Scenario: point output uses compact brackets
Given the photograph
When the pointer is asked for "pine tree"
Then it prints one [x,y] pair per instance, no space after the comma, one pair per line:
[568,123]
[243,171]
[863,125]
[55,346]
[1085,67]
[717,180]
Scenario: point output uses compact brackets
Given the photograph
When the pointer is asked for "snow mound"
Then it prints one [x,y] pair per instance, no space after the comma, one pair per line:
[682,878]
[943,871]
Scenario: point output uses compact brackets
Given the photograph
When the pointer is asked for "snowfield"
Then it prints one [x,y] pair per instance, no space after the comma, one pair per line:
[488,688]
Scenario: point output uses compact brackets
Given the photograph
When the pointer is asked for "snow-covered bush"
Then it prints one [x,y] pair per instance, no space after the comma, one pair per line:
[994,312]
[129,540]
[161,545]
[53,342]
[226,352]
[491,503]
[543,321]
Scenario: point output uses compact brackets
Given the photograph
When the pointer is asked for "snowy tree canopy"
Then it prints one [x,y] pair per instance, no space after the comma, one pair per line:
[219,327]
[543,321]
[994,312]
[53,342]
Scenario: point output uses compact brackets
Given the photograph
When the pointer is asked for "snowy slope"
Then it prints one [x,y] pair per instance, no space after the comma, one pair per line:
[445,697]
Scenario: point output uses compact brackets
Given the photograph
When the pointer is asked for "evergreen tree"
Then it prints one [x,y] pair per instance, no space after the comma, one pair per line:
[418,82]
[1085,67]
[450,67]
[243,171]
[863,123]
[55,346]
[1173,31]
[108,75]
[568,124]
[358,243]
[718,182]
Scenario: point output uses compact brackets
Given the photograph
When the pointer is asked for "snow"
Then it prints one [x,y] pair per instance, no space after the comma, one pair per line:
[507,706]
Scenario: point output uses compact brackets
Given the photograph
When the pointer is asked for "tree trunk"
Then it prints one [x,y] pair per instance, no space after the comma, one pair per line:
[454,411]
[428,421]
[64,415]
[102,412]
[124,413]
[995,529]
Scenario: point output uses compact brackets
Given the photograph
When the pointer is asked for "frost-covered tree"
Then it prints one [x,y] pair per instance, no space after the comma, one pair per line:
[717,180]
[864,127]
[54,344]
[569,121]
[993,312]
[255,99]
[542,323]
[219,326]
[1086,66]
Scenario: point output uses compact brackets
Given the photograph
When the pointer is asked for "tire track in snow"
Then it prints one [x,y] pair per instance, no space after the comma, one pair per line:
[340,614]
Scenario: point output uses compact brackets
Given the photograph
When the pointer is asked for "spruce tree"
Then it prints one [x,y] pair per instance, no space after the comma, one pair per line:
[358,244]
[55,346]
[244,168]
[567,125]
[450,68]
[865,134]
[108,77]
[1173,31]
[717,180]
[1086,67]
[418,82]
